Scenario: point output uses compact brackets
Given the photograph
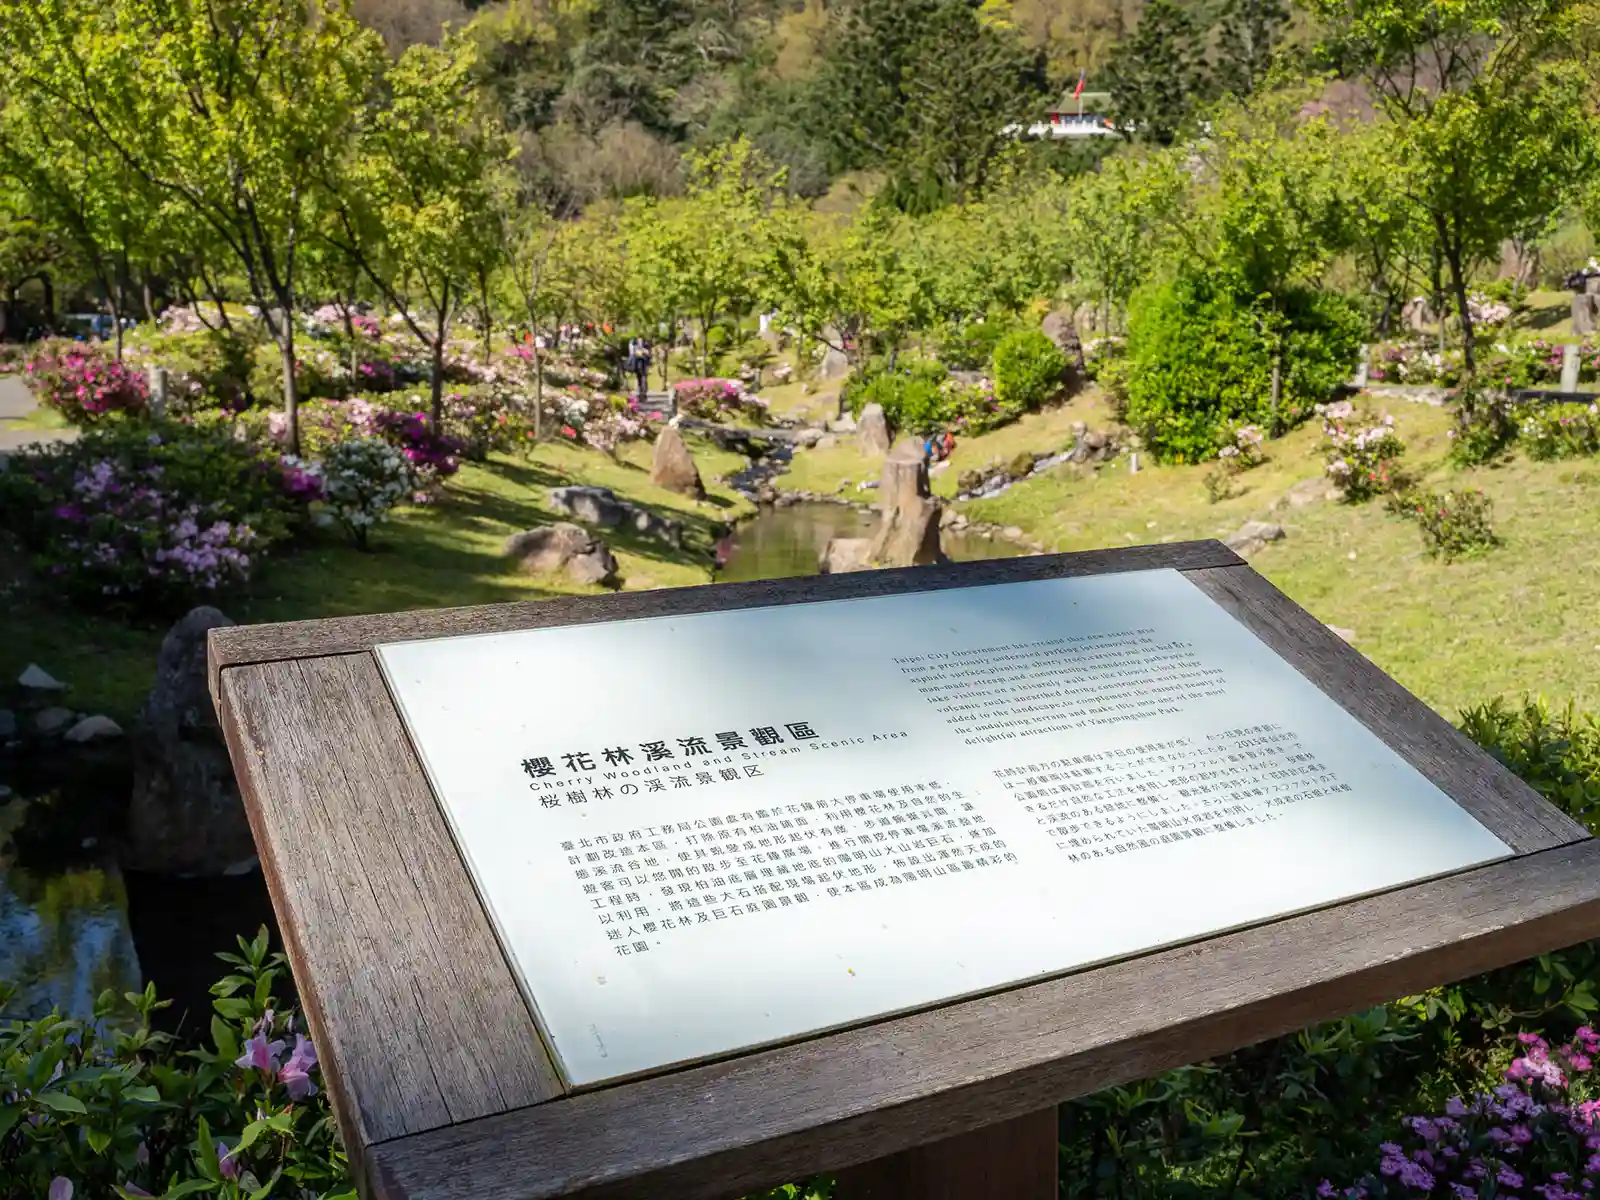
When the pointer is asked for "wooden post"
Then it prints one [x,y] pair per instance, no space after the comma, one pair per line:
[1015,1160]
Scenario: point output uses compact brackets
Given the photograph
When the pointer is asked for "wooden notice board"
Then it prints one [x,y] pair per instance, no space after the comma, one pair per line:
[413,783]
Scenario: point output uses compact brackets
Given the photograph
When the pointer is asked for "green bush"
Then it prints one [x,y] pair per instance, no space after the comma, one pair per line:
[1453,524]
[912,394]
[970,346]
[1485,427]
[1028,369]
[1200,362]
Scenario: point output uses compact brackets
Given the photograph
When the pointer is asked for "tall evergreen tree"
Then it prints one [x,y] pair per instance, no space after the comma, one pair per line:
[1248,34]
[1158,75]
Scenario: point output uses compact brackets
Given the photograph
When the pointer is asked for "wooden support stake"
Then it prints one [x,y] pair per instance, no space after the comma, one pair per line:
[1015,1160]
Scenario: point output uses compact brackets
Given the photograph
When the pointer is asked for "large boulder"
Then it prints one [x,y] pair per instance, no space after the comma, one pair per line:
[672,467]
[185,816]
[908,532]
[564,547]
[845,554]
[595,506]
[1416,316]
[909,538]
[1061,329]
[872,430]
[835,365]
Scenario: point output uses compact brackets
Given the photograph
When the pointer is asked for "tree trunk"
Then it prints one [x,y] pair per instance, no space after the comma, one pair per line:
[1458,281]
[113,303]
[538,389]
[1277,389]
[436,370]
[49,298]
[291,388]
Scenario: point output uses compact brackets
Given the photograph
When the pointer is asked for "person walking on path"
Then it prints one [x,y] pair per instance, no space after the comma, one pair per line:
[639,363]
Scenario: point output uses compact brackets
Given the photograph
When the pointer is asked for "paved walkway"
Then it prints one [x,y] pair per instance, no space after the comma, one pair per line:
[16,402]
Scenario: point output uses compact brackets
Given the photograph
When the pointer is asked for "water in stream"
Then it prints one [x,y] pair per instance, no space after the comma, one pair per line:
[782,542]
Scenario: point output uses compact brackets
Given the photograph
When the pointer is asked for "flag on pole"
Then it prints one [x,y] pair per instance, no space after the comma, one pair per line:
[1083,77]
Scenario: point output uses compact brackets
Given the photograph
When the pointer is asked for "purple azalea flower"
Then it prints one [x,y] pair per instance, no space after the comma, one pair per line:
[296,1073]
[60,1188]
[261,1055]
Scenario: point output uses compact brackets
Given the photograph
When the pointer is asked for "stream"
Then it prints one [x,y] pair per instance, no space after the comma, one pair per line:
[783,542]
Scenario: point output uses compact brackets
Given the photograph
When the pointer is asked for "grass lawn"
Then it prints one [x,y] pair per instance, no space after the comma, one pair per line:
[1517,620]
[432,557]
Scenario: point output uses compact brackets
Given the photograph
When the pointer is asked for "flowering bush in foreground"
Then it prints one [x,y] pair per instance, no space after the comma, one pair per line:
[362,480]
[1361,451]
[153,515]
[84,386]
[109,1108]
[1537,1134]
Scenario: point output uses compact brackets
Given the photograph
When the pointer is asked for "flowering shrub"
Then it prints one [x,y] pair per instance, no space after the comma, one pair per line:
[707,398]
[84,386]
[1485,311]
[110,1108]
[1538,1132]
[1453,524]
[482,423]
[1361,451]
[1485,426]
[433,457]
[362,480]
[1560,430]
[151,515]
[1415,363]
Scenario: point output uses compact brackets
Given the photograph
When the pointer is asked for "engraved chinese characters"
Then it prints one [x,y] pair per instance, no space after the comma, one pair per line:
[643,884]
[620,794]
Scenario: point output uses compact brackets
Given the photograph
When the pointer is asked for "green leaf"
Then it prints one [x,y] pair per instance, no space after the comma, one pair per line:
[61,1102]
[189,1188]
[144,1094]
[10,1114]
[98,1140]
[234,1010]
[226,1040]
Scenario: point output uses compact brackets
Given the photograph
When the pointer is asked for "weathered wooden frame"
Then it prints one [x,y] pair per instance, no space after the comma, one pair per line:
[438,1074]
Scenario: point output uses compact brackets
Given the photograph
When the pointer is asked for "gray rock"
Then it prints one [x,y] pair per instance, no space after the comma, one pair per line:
[808,438]
[834,365]
[872,430]
[596,506]
[8,724]
[652,525]
[845,554]
[1013,533]
[1307,491]
[92,729]
[185,816]
[53,720]
[1348,635]
[843,424]
[908,533]
[1252,537]
[36,678]
[672,466]
[5,792]
[827,441]
[564,547]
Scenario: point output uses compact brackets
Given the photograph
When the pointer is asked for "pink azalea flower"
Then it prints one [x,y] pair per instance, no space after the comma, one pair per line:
[60,1188]
[229,1168]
